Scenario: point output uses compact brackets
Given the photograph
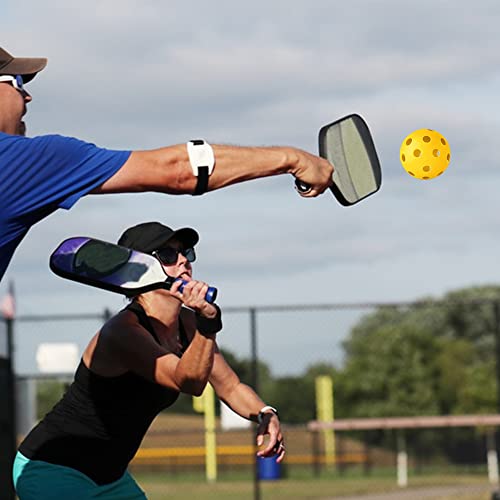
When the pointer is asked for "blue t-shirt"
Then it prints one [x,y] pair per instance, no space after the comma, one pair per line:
[41,174]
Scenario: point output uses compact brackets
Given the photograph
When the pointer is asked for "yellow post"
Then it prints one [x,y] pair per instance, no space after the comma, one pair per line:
[324,413]
[206,404]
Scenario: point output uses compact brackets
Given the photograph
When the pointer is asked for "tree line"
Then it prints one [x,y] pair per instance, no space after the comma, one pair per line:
[433,357]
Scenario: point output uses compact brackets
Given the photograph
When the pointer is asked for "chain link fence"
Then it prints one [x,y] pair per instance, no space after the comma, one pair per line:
[385,360]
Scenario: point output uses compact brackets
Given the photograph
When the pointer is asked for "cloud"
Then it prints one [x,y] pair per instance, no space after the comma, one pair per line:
[156,63]
[140,74]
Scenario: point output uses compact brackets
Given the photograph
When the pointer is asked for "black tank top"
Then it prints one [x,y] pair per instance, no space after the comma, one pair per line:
[99,423]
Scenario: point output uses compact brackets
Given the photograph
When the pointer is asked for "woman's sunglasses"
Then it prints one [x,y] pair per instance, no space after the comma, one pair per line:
[168,255]
[17,82]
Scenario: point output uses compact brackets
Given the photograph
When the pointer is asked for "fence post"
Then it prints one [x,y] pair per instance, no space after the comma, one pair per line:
[8,435]
[325,413]
[402,460]
[315,453]
[106,315]
[496,334]
[368,460]
[206,404]
[341,465]
[491,456]
[255,383]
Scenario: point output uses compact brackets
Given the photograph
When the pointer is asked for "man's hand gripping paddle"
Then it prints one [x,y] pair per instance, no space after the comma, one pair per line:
[112,267]
[348,145]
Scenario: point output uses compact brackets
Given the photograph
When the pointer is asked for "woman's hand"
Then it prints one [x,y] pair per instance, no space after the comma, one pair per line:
[193,296]
[271,426]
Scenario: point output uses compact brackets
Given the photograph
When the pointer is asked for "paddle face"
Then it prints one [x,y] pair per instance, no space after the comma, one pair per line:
[106,265]
[112,267]
[98,260]
[348,145]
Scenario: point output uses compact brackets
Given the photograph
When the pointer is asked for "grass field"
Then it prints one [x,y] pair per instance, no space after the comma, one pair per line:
[195,487]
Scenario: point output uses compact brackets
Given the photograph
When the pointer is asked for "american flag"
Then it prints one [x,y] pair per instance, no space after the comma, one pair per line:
[8,304]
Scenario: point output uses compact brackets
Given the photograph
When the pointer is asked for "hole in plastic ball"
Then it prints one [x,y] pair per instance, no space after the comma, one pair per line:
[403,157]
[443,142]
[425,178]
[440,173]
[426,168]
[436,152]
[417,152]
[426,138]
[448,157]
[408,141]
[411,173]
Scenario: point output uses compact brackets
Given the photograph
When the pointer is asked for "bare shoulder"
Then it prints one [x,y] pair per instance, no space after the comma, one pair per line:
[123,344]
[103,354]
[120,324]
[124,332]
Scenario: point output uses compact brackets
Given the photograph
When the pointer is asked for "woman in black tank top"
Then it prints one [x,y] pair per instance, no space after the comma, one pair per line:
[161,344]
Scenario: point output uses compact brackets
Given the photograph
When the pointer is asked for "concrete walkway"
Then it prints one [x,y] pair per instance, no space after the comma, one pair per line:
[433,493]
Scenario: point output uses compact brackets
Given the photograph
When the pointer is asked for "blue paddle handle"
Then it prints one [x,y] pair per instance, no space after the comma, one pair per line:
[210,296]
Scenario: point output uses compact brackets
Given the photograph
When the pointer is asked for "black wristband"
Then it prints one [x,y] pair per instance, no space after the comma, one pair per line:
[266,409]
[202,181]
[209,326]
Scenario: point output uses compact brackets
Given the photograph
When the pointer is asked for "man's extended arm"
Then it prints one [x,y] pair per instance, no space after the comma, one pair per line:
[168,169]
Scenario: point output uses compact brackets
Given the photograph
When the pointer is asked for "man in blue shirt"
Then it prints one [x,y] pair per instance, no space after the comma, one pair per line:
[41,174]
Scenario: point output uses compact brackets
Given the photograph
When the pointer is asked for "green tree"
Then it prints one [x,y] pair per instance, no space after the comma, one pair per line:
[434,357]
[243,368]
[477,393]
[295,396]
[391,372]
[429,357]
[470,316]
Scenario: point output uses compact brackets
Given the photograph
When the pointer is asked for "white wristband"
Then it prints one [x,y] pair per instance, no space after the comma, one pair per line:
[200,155]
[264,410]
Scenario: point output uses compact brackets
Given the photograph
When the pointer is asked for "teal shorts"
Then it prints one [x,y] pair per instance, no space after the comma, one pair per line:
[38,480]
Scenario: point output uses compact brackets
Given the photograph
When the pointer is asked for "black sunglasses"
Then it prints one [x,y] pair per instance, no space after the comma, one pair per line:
[169,255]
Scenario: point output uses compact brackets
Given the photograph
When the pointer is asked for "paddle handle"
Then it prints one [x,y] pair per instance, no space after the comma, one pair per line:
[301,186]
[210,296]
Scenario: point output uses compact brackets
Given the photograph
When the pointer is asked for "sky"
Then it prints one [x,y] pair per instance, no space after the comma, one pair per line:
[143,74]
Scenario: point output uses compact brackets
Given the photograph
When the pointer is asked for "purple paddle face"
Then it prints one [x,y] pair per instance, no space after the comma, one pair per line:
[64,254]
[111,267]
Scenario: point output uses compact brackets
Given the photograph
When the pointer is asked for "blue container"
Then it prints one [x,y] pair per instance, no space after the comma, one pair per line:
[268,468]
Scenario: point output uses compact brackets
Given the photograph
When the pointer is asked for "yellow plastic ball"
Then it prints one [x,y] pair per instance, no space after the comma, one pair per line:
[425,154]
